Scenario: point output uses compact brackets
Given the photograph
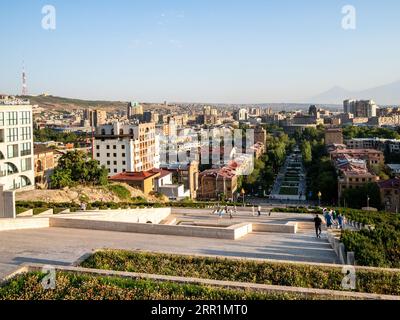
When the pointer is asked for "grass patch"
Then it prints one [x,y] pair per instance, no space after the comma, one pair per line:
[289,191]
[120,191]
[284,274]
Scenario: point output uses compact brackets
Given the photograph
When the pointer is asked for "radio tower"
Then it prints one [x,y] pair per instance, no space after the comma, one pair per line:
[24,85]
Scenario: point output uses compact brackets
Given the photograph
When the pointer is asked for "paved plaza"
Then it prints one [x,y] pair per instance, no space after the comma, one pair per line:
[63,246]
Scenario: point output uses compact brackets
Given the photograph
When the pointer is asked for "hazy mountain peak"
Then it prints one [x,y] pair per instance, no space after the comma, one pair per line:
[388,94]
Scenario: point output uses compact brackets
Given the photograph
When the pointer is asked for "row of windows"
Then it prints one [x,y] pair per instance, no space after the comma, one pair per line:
[108,147]
[10,118]
[12,134]
[358,179]
[12,150]
[115,170]
[116,163]
[109,154]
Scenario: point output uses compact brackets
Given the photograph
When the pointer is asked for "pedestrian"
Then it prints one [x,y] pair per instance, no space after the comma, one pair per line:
[259,211]
[269,212]
[235,210]
[318,224]
[230,214]
[340,221]
[253,211]
[220,213]
[329,220]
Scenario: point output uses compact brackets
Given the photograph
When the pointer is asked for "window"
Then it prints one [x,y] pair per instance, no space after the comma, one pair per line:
[12,151]
[108,155]
[26,133]
[108,147]
[123,163]
[114,147]
[108,163]
[26,149]
[123,154]
[115,163]
[11,118]
[26,164]
[115,155]
[98,147]
[98,155]
[25,117]
[12,134]
[123,147]
[1,118]
[115,171]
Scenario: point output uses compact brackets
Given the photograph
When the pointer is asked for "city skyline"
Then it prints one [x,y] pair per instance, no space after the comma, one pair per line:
[229,52]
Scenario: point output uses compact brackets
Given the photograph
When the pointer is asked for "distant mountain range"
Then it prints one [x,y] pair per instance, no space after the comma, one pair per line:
[383,95]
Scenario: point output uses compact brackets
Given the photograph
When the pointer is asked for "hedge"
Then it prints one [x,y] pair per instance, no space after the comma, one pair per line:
[74,286]
[272,273]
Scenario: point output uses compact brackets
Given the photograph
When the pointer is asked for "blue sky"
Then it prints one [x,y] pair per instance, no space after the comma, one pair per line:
[239,51]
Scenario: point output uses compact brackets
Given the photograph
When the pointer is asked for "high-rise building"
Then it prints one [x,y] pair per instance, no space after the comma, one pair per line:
[134,110]
[16,144]
[242,115]
[360,108]
[122,147]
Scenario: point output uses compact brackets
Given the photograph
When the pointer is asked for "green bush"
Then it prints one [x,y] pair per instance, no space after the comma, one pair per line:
[73,286]
[272,273]
[379,247]
[120,191]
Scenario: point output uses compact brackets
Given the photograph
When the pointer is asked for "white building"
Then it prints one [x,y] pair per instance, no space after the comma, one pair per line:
[125,147]
[16,144]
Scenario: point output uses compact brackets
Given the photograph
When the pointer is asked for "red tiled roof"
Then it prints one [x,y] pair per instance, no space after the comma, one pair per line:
[133,176]
[163,173]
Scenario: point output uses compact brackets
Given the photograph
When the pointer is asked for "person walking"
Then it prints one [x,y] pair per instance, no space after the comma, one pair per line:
[259,211]
[230,214]
[329,220]
[318,226]
[340,221]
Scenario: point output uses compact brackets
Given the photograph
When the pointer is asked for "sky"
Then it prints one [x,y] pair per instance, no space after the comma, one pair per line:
[216,51]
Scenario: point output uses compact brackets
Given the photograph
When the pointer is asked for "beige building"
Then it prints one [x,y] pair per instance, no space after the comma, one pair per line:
[124,147]
[333,136]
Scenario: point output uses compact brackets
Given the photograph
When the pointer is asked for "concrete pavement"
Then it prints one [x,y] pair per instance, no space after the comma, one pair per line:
[62,246]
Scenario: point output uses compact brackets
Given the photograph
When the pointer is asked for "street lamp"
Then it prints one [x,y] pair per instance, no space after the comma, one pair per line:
[319,198]
[243,193]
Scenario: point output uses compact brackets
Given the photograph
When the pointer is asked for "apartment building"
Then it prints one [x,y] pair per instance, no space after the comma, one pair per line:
[125,147]
[390,194]
[390,145]
[16,144]
[371,156]
[360,108]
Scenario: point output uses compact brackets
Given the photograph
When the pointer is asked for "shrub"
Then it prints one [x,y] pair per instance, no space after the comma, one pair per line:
[120,191]
[74,286]
[274,273]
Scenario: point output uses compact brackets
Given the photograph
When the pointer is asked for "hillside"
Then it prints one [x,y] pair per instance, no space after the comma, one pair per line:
[61,103]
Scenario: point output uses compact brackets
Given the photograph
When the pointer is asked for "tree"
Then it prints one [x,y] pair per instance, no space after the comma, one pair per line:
[306,152]
[357,198]
[76,168]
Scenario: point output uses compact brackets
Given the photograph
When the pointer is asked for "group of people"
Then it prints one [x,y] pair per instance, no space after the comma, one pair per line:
[227,210]
[332,219]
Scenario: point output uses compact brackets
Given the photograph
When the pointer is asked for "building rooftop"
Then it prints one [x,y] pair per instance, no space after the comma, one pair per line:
[392,183]
[134,176]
